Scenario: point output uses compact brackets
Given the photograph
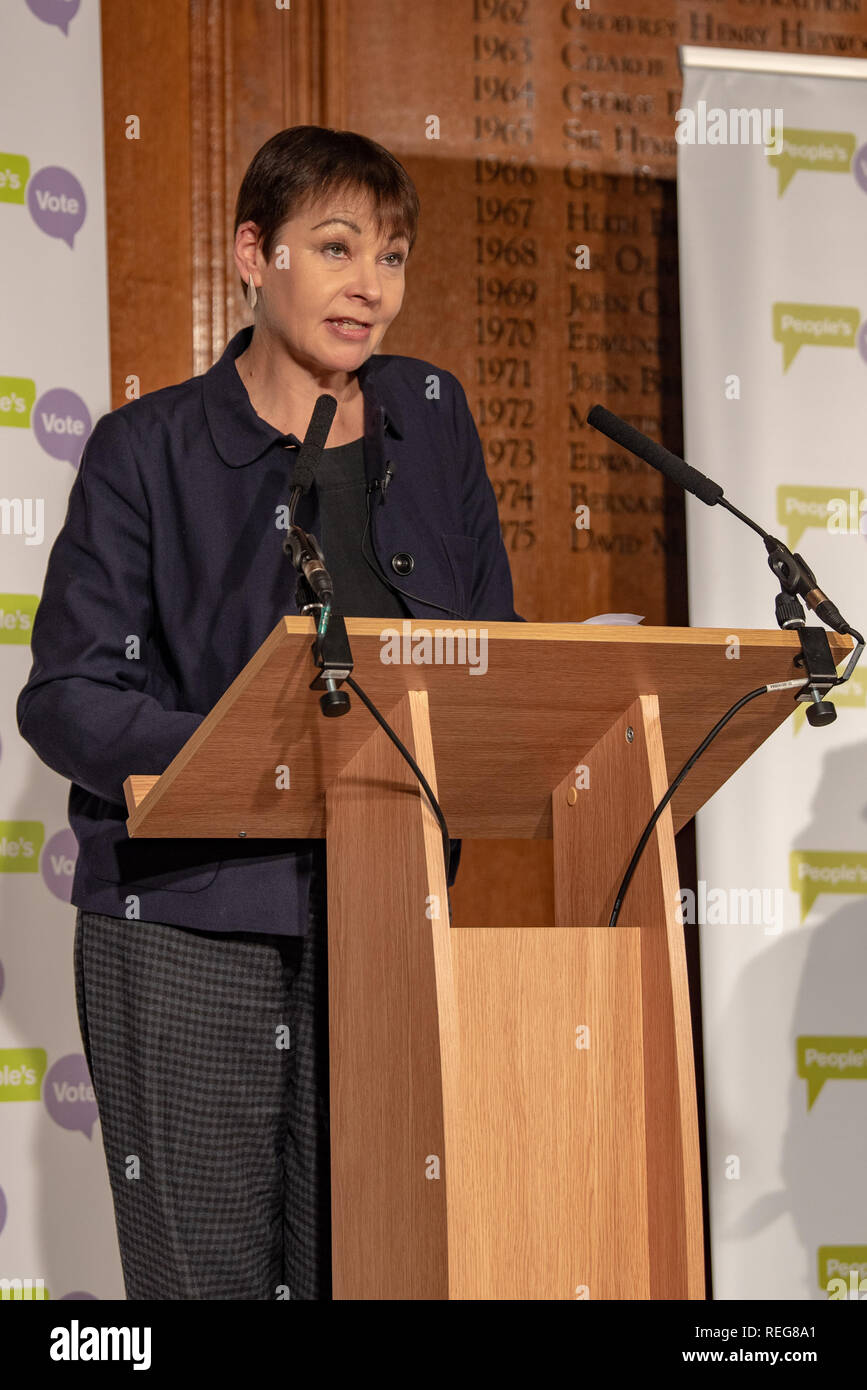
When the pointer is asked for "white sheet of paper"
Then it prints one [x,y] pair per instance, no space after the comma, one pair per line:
[614,619]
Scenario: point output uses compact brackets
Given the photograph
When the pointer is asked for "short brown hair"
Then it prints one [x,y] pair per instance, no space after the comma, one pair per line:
[310,160]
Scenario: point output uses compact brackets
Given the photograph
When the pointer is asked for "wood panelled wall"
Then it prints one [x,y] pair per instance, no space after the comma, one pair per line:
[553,128]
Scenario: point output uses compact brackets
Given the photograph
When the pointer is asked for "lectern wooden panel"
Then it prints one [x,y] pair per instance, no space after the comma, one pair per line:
[503,739]
[393,1023]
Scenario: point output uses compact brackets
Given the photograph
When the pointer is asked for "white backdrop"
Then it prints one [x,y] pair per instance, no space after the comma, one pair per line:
[783,429]
[787,1181]
[56,1219]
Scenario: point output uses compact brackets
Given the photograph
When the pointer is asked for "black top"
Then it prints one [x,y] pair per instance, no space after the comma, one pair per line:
[359,592]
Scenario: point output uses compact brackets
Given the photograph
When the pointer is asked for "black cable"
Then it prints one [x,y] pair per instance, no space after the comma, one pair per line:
[648,831]
[383,577]
[447,849]
[690,762]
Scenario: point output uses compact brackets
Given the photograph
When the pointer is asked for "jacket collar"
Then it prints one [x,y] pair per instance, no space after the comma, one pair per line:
[241,436]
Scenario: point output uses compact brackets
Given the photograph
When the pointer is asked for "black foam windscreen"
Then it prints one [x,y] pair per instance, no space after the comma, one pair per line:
[655,454]
[314,442]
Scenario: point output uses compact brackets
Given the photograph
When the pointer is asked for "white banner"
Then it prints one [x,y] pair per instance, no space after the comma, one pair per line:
[57,1232]
[774,318]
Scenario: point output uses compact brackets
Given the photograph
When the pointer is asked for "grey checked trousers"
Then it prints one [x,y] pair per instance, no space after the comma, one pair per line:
[180,1029]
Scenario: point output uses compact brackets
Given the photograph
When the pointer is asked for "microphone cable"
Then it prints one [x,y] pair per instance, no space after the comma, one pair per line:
[690,763]
[404,751]
[383,577]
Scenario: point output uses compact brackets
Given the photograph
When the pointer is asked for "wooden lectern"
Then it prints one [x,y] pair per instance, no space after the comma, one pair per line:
[513,1111]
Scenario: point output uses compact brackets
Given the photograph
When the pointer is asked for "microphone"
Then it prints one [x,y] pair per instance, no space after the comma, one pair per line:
[655,454]
[314,442]
[305,550]
[308,560]
[390,470]
[794,574]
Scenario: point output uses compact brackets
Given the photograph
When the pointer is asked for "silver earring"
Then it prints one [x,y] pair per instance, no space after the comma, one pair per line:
[251,292]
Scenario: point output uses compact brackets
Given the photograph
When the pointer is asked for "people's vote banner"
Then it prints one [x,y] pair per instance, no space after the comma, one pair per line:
[772,197]
[57,1233]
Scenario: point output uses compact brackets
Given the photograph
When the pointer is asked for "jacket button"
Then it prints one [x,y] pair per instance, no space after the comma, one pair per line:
[402,563]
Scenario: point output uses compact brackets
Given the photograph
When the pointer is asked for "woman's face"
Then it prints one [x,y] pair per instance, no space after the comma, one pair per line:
[337,269]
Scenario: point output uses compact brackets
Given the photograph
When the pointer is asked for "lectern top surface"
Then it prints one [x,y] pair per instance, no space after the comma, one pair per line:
[513,706]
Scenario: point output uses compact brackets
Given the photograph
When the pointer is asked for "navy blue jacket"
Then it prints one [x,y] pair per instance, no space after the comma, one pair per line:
[168,574]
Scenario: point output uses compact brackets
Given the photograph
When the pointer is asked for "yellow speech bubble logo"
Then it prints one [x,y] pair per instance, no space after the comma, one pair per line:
[816,325]
[23,1289]
[834,509]
[830,1057]
[14,173]
[21,1072]
[847,1264]
[17,394]
[822,151]
[816,871]
[17,612]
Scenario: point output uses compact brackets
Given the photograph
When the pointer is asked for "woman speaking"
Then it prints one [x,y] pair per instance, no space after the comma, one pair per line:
[167,575]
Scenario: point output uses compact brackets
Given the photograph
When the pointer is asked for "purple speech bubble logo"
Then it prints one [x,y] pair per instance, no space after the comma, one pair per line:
[58,864]
[77,1296]
[68,1094]
[58,12]
[61,423]
[859,167]
[57,203]
[3,1208]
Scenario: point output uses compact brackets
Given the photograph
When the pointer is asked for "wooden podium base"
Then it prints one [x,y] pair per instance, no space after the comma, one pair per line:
[513,1110]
